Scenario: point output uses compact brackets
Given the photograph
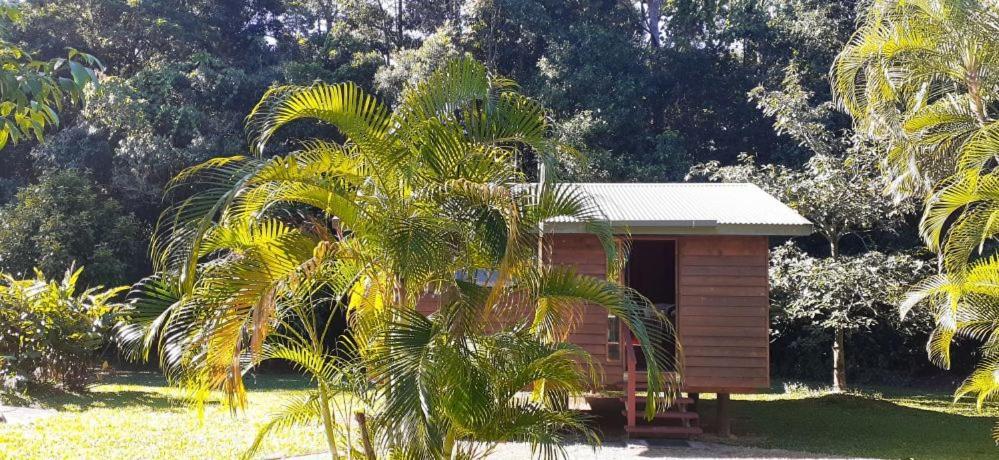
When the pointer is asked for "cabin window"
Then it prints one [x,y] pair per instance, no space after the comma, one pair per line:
[479,276]
[613,338]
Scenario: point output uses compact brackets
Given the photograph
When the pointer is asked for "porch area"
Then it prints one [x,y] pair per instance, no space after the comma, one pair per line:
[712,291]
[652,271]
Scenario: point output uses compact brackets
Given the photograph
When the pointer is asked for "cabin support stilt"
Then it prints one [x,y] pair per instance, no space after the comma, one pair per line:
[724,417]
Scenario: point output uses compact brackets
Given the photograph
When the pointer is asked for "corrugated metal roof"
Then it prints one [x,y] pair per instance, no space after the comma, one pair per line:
[729,208]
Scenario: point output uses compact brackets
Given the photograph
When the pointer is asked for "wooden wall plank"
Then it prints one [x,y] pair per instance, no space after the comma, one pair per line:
[725,362]
[699,319]
[726,371]
[725,301]
[726,291]
[722,332]
[756,352]
[713,311]
[690,342]
[588,339]
[722,280]
[723,312]
[713,261]
[714,270]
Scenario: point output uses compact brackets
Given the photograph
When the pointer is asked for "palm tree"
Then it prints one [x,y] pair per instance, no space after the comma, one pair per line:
[922,77]
[425,202]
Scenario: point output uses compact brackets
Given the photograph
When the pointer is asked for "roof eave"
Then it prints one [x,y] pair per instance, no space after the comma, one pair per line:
[688,228]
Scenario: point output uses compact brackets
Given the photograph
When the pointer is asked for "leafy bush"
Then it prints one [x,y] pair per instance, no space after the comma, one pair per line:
[49,332]
[66,219]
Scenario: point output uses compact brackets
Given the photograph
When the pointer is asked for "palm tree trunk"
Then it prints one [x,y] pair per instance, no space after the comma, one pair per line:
[362,422]
[839,361]
[324,402]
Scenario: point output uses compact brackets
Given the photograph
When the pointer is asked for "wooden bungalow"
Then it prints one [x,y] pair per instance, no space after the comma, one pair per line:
[699,252]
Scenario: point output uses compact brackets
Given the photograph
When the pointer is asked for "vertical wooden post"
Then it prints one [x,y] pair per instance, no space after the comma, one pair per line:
[724,419]
[696,398]
[630,387]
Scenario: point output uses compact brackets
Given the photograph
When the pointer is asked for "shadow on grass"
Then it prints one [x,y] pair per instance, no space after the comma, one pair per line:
[107,399]
[146,389]
[858,425]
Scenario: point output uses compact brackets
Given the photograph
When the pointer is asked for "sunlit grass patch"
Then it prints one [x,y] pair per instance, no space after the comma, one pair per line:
[138,416]
[881,422]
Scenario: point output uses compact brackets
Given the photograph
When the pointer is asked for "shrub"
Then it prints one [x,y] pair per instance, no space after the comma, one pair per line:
[49,332]
[858,294]
[67,219]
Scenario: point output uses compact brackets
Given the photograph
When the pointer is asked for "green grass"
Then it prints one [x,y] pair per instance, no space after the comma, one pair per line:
[137,416]
[874,423]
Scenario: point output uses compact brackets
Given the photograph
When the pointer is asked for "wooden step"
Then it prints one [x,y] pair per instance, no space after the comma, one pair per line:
[669,415]
[655,431]
[676,402]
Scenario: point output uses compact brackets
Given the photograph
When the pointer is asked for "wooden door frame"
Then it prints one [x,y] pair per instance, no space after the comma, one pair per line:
[676,289]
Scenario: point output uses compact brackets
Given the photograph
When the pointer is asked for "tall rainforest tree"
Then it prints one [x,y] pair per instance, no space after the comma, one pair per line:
[922,77]
[839,190]
[424,204]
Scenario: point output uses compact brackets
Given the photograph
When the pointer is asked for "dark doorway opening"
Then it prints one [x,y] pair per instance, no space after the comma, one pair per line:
[651,271]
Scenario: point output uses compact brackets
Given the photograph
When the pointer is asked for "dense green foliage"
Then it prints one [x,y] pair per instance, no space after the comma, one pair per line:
[644,90]
[814,298]
[922,78]
[64,219]
[182,75]
[33,90]
[49,330]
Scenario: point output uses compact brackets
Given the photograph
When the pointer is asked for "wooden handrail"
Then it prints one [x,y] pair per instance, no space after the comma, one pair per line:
[631,401]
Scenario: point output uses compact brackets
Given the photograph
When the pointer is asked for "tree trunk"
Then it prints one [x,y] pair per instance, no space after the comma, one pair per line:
[362,422]
[328,421]
[542,177]
[839,361]
[652,19]
[399,24]
[838,349]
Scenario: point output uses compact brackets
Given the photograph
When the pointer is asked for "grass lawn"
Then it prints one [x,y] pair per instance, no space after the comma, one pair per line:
[137,417]
[878,423]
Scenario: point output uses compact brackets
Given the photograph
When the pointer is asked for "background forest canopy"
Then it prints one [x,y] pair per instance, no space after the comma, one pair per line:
[645,90]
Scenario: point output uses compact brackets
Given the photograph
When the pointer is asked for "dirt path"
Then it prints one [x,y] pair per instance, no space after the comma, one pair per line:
[642,450]
[657,450]
[11,414]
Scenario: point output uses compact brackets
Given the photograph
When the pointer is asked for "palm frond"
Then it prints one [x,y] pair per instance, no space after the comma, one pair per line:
[346,106]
